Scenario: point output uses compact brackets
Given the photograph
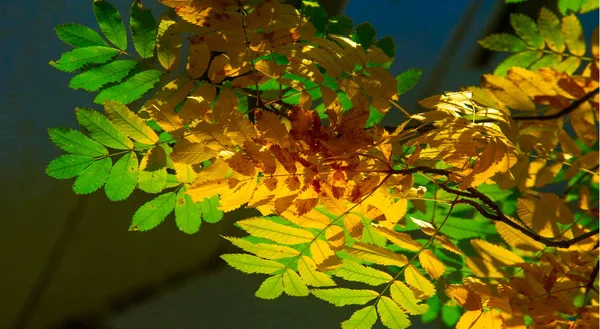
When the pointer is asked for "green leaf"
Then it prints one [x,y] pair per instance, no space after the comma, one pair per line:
[129,123]
[567,7]
[388,46]
[271,288]
[457,228]
[353,271]
[79,57]
[340,24]
[548,60]
[406,298]
[210,212]
[527,29]
[364,318]
[345,296]
[450,315]
[391,314]
[434,304]
[316,15]
[168,43]
[310,275]
[264,250]
[549,26]
[408,79]
[143,29]
[522,59]
[92,177]
[93,79]
[122,178]
[110,23]
[74,141]
[68,166]
[293,285]
[573,35]
[365,34]
[152,181]
[154,212]
[78,35]
[187,213]
[503,42]
[102,130]
[569,65]
[252,264]
[131,89]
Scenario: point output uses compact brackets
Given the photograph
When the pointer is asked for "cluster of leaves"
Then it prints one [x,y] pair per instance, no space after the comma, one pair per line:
[278,109]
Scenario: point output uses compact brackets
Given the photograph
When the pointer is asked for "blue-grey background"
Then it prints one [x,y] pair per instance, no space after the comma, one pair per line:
[68,261]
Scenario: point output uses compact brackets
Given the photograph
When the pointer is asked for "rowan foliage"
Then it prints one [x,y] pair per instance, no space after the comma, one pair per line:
[485,204]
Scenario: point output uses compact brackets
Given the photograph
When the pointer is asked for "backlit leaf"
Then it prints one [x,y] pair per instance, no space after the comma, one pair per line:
[418,281]
[264,228]
[265,250]
[516,238]
[187,213]
[102,130]
[271,288]
[493,252]
[391,314]
[432,265]
[93,177]
[573,35]
[131,89]
[376,254]
[364,318]
[73,141]
[122,178]
[153,212]
[79,57]
[129,123]
[68,166]
[95,78]
[310,275]
[110,23]
[293,285]
[406,299]
[143,29]
[210,212]
[527,29]
[345,296]
[353,271]
[78,35]
[168,43]
[252,264]
[152,181]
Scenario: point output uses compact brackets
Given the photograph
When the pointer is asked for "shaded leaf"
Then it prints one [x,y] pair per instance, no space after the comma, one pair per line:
[110,23]
[95,78]
[78,35]
[143,29]
[131,89]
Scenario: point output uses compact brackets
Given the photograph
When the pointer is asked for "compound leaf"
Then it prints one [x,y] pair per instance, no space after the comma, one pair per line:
[153,212]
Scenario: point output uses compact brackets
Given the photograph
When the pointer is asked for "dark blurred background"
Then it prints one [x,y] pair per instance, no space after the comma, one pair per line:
[68,261]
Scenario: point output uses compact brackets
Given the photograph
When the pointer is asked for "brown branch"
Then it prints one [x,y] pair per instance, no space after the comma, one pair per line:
[496,213]
[572,107]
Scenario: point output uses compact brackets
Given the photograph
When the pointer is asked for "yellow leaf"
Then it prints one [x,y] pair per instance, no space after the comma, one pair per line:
[494,253]
[198,59]
[471,320]
[426,227]
[484,268]
[375,254]
[508,93]
[335,237]
[191,153]
[391,315]
[217,170]
[418,281]
[293,285]
[264,250]
[238,195]
[448,245]
[402,240]
[354,225]
[168,43]
[309,274]
[466,298]
[312,219]
[206,189]
[406,299]
[185,173]
[164,116]
[271,128]
[531,83]
[269,68]
[573,34]
[129,123]
[280,233]
[323,256]
[595,51]
[432,265]
[517,239]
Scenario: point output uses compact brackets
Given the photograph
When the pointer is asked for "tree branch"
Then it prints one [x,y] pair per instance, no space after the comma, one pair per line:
[562,112]
[496,213]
